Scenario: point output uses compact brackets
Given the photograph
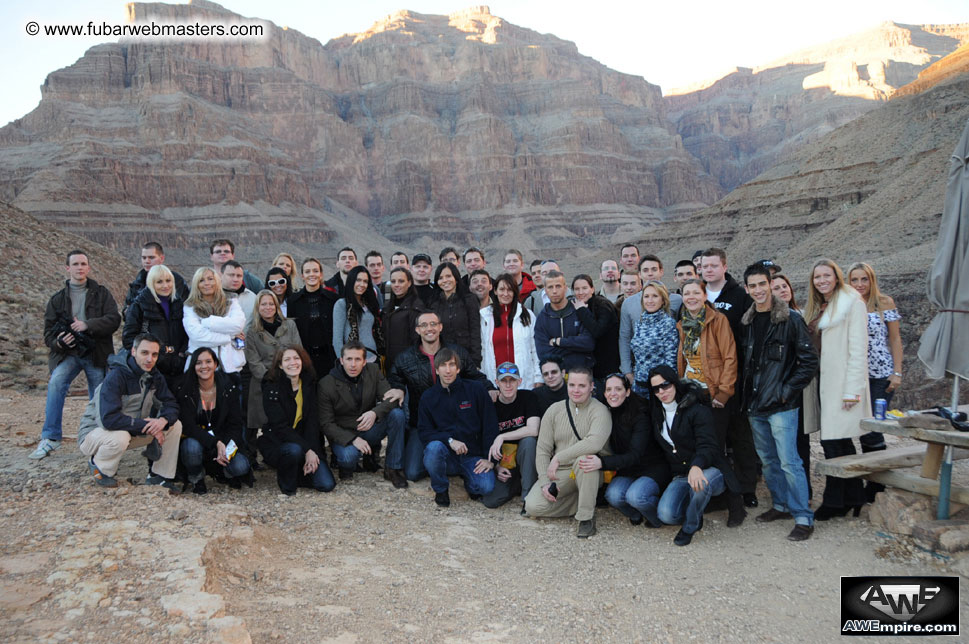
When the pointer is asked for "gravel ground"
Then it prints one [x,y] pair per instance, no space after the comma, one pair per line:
[369,563]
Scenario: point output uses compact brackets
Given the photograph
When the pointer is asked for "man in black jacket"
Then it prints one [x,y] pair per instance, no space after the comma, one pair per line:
[779,361]
[78,324]
[413,370]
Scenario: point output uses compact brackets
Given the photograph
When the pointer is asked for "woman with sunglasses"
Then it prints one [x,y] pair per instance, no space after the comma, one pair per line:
[400,314]
[458,311]
[267,332]
[211,416]
[708,353]
[641,470]
[655,338]
[837,400]
[281,285]
[286,262]
[290,439]
[356,316]
[683,428]
[508,334]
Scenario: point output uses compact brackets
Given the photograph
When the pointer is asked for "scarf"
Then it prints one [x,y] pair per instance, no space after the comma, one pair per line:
[692,329]
[354,323]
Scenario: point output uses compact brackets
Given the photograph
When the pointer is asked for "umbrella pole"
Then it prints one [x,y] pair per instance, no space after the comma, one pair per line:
[945,474]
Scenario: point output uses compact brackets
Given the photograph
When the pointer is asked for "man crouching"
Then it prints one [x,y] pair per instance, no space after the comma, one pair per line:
[572,428]
[122,408]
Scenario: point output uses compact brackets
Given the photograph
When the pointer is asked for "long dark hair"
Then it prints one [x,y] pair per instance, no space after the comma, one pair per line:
[394,300]
[306,374]
[669,374]
[369,297]
[459,287]
[508,280]
[190,383]
[278,270]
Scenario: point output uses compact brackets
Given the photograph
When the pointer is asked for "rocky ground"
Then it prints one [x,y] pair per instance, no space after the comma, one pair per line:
[371,563]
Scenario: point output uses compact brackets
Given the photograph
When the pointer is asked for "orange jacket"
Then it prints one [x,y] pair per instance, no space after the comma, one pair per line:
[718,355]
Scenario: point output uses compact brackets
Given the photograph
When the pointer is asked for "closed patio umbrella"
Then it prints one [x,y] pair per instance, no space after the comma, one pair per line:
[944,347]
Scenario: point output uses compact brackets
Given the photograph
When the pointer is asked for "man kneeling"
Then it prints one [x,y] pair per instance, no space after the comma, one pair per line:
[122,408]
[571,428]
[457,424]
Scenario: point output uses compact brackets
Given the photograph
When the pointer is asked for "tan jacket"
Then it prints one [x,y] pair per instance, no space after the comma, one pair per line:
[260,350]
[718,355]
[844,370]
[555,437]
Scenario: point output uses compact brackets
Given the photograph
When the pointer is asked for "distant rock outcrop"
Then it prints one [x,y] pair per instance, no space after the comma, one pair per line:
[740,125]
[422,126]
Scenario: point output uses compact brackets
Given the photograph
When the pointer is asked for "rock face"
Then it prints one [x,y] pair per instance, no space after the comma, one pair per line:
[740,125]
[870,191]
[422,125]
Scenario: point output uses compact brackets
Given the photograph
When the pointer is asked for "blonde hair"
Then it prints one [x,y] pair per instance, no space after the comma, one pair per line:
[255,307]
[816,300]
[154,273]
[875,298]
[199,304]
[663,293]
[293,276]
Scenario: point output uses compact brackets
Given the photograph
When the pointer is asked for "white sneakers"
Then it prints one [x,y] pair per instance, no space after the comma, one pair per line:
[44,448]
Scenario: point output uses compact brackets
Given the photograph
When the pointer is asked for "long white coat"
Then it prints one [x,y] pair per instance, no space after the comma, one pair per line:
[216,332]
[844,370]
[525,355]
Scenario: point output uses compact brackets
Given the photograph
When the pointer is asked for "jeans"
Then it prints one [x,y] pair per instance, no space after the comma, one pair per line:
[392,426]
[680,504]
[775,436]
[440,461]
[635,498]
[288,460]
[523,476]
[192,455]
[60,382]
[414,456]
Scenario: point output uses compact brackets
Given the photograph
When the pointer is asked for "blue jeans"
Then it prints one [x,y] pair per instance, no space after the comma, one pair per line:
[392,426]
[192,455]
[440,461]
[523,476]
[414,456]
[288,460]
[60,382]
[775,437]
[635,498]
[680,504]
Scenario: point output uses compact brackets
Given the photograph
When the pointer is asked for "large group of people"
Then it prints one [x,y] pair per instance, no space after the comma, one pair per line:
[650,399]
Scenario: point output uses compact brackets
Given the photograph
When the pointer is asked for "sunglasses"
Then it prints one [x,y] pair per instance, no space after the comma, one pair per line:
[666,384]
[510,370]
[280,282]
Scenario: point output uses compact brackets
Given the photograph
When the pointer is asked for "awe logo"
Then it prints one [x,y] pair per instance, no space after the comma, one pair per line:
[899,601]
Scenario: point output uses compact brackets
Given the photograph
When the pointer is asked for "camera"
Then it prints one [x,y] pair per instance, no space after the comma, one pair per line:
[83,343]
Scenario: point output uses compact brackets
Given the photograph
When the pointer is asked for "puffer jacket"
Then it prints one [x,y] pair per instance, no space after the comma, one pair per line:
[461,320]
[134,288]
[126,398]
[788,361]
[412,371]
[145,315]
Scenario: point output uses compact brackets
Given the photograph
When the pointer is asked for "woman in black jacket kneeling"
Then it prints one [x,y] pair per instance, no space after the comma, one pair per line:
[641,470]
[211,414]
[683,428]
[290,439]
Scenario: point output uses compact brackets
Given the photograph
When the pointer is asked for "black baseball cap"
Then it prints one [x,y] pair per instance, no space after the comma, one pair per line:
[422,257]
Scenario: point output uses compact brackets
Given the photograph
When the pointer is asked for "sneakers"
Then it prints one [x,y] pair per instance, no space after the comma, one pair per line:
[396,477]
[800,532]
[586,528]
[154,479]
[101,479]
[44,448]
[772,515]
[443,499]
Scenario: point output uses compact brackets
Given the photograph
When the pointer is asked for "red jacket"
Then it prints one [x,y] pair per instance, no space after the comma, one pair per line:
[527,287]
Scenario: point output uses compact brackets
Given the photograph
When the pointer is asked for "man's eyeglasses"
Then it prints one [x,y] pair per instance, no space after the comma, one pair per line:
[428,325]
[222,252]
[666,384]
[280,282]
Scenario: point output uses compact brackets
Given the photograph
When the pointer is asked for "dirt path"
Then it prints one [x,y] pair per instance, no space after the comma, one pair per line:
[369,563]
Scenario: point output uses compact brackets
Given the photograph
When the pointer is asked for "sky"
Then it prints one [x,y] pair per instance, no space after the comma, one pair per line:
[671,44]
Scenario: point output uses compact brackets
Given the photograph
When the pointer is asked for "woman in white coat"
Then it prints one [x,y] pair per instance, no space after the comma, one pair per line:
[502,341]
[838,399]
[215,321]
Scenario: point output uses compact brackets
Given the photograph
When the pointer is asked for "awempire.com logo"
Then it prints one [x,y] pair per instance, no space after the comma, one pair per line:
[899,605]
